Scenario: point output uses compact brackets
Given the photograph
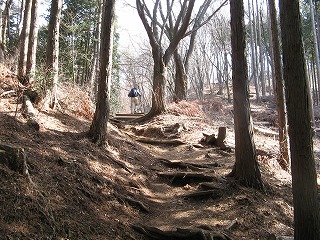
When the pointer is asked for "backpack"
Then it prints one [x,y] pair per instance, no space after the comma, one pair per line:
[134,93]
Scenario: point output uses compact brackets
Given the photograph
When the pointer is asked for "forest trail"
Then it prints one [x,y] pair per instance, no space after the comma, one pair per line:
[80,191]
[219,205]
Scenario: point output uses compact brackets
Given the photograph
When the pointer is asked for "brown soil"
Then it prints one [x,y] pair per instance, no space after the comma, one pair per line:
[77,190]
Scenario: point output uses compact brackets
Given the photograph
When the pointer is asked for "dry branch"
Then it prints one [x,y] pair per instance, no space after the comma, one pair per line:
[160,141]
[266,132]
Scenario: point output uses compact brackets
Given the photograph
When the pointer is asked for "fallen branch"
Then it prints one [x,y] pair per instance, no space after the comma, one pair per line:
[7,92]
[160,141]
[266,132]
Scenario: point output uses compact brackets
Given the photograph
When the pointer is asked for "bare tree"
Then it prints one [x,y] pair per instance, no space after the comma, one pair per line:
[97,132]
[246,168]
[161,58]
[299,107]
[182,63]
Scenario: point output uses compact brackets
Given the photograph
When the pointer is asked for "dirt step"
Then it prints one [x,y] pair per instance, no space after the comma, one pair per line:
[126,116]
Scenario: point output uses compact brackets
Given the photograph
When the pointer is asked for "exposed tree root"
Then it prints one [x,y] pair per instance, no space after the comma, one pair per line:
[183,234]
[204,194]
[183,178]
[133,203]
[213,186]
[183,165]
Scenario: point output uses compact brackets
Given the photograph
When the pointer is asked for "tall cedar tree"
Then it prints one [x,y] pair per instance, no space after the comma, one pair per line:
[24,43]
[284,160]
[52,52]
[97,132]
[246,166]
[304,178]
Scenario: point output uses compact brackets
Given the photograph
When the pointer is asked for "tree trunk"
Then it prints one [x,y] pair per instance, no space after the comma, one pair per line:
[6,25]
[219,77]
[24,42]
[159,79]
[33,41]
[95,60]
[282,121]
[97,132]
[304,178]
[315,42]
[246,166]
[261,60]
[161,59]
[180,86]
[253,52]
[52,53]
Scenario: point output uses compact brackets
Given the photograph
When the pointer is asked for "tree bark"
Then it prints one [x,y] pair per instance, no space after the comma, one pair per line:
[261,60]
[246,166]
[33,41]
[97,132]
[282,121]
[253,51]
[24,42]
[95,60]
[315,43]
[304,178]
[52,54]
[180,86]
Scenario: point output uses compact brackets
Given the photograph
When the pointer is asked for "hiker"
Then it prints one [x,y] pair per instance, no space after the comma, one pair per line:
[135,96]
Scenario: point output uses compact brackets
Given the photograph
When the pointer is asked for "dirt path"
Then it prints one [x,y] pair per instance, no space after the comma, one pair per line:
[238,212]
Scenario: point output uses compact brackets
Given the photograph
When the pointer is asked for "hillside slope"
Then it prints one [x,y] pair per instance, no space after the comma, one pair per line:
[76,190]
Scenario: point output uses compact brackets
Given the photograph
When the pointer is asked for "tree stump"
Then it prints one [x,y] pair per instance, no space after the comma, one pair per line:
[217,141]
[14,158]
